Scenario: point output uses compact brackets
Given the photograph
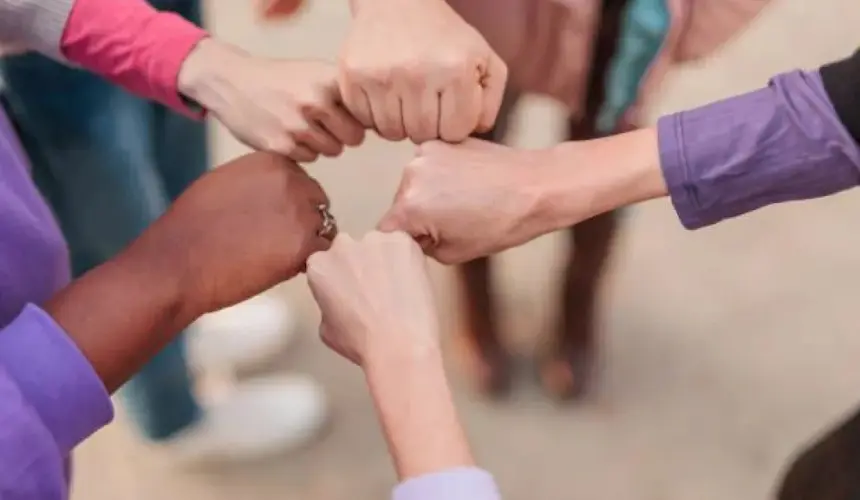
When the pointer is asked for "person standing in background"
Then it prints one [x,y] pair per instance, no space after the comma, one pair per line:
[109,163]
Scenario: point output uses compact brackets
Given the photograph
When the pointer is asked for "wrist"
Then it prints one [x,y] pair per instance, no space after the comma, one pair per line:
[122,313]
[414,403]
[582,179]
[206,74]
[385,351]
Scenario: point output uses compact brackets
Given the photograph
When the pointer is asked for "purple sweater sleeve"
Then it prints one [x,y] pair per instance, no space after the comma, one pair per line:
[51,401]
[453,484]
[781,143]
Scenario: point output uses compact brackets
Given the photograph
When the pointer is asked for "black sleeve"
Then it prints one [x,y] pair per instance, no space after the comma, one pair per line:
[842,83]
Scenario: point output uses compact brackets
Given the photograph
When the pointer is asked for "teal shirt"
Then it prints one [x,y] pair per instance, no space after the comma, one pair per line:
[643,31]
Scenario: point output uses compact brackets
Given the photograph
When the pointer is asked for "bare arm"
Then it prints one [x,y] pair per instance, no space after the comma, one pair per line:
[414,403]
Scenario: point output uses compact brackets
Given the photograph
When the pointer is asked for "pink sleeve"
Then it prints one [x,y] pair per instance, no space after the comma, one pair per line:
[133,45]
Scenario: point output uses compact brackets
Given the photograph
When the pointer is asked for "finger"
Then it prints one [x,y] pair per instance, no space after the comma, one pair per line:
[391,221]
[460,111]
[421,117]
[493,82]
[394,221]
[386,107]
[357,102]
[343,126]
[319,140]
[302,153]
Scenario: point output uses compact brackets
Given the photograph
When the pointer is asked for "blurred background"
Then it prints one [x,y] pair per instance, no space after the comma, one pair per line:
[722,352]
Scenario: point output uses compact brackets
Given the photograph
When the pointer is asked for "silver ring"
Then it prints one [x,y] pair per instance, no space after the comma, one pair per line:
[329,223]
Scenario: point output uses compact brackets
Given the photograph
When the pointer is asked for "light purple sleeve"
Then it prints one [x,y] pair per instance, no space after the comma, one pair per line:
[50,400]
[452,484]
[781,143]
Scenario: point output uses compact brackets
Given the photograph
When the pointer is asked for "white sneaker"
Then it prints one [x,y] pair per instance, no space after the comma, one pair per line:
[243,336]
[262,417]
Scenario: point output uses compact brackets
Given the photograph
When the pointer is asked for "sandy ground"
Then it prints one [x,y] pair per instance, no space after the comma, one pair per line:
[724,350]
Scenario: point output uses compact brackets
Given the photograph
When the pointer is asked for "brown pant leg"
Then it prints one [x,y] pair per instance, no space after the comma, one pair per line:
[829,469]
[480,342]
[567,372]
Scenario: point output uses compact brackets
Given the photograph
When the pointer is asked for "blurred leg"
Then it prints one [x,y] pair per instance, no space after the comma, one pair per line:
[258,416]
[180,144]
[486,359]
[827,469]
[93,159]
[567,370]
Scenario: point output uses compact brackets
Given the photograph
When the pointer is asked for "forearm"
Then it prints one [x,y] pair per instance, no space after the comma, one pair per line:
[416,410]
[578,180]
[123,312]
[794,140]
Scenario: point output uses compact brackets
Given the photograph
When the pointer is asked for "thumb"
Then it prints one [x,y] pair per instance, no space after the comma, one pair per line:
[493,81]
[394,221]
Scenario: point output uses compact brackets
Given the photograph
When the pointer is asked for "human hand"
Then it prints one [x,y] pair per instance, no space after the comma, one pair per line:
[282,106]
[234,233]
[464,201]
[374,295]
[417,70]
[468,200]
[239,230]
[377,311]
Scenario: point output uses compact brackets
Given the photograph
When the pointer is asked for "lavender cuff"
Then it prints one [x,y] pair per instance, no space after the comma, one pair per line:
[452,484]
[54,377]
[781,143]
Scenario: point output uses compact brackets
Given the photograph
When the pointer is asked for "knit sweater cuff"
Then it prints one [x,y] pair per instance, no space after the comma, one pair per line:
[35,24]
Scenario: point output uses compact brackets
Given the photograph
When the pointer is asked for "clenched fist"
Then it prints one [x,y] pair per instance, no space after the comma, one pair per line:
[469,200]
[288,107]
[417,70]
[374,295]
[239,230]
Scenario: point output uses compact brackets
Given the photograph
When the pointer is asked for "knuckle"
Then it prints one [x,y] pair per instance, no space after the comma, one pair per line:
[410,201]
[444,258]
[456,132]
[333,150]
[378,76]
[279,144]
[316,263]
[342,243]
[428,149]
[302,132]
[456,66]
[398,239]
[372,238]
[311,108]
[415,167]
[315,105]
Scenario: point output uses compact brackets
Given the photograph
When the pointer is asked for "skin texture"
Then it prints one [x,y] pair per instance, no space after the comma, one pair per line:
[416,70]
[282,106]
[235,233]
[378,311]
[466,201]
